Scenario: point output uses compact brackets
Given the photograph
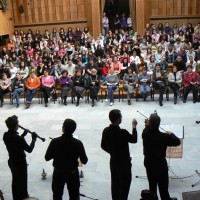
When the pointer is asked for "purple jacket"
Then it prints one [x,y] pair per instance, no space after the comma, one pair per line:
[65,81]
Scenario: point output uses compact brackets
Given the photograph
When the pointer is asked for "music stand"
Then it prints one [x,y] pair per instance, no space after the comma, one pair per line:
[175,152]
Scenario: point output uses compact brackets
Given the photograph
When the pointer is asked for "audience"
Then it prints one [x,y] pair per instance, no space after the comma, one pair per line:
[117,47]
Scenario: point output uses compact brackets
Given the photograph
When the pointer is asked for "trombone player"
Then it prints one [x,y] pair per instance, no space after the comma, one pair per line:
[16,146]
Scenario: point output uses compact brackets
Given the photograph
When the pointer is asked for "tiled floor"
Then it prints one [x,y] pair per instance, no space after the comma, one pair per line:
[47,122]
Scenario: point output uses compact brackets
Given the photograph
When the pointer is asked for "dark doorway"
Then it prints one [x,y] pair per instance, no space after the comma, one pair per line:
[116,6]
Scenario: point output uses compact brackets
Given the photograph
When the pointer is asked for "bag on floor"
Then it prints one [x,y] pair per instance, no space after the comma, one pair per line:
[147,195]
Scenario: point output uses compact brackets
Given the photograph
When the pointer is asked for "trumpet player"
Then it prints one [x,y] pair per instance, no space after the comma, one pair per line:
[16,146]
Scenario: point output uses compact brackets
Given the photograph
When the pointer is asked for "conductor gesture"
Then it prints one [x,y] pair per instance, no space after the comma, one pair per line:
[16,146]
[155,144]
[115,141]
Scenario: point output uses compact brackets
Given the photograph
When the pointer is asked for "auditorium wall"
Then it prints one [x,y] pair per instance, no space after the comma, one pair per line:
[47,14]
[162,11]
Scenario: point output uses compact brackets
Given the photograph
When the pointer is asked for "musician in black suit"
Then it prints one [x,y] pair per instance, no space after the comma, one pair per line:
[65,152]
[115,141]
[155,144]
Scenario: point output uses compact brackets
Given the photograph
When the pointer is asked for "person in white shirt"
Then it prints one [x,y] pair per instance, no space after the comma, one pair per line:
[129,23]
[70,67]
[134,59]
[13,70]
[192,62]
[190,53]
[105,24]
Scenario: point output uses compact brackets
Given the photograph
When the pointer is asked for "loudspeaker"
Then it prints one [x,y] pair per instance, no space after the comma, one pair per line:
[21,8]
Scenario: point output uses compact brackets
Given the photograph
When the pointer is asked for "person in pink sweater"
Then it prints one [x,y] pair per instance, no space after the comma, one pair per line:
[47,86]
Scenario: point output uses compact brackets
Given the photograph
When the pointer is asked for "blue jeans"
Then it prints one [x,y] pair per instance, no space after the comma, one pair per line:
[111,89]
[145,87]
[30,94]
[16,94]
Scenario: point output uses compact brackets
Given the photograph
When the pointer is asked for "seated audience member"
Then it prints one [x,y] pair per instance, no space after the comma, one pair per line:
[94,84]
[23,70]
[116,65]
[144,83]
[190,84]
[159,54]
[70,67]
[59,67]
[4,70]
[134,60]
[175,80]
[78,85]
[105,71]
[32,87]
[91,65]
[180,64]
[158,81]
[66,85]
[112,81]
[13,70]
[40,69]
[164,64]
[47,85]
[18,87]
[130,79]
[5,87]
[151,65]
[192,62]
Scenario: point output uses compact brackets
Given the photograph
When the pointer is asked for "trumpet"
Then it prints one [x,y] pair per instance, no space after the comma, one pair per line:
[43,139]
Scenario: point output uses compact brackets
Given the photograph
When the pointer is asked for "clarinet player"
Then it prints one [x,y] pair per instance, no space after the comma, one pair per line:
[16,146]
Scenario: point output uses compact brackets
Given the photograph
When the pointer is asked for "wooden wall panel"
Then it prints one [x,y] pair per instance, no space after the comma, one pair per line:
[48,11]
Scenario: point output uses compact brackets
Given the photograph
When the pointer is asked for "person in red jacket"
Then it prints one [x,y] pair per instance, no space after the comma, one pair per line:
[190,84]
[32,86]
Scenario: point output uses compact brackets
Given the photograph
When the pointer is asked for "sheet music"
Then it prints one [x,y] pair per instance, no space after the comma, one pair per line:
[176,129]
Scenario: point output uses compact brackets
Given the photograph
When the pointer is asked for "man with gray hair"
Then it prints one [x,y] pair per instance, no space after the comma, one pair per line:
[155,144]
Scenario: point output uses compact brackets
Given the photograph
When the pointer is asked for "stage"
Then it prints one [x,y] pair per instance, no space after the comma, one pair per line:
[47,122]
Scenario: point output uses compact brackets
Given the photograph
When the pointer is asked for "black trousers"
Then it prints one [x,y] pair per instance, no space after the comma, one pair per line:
[120,181]
[46,92]
[19,180]
[194,90]
[2,93]
[60,178]
[157,174]
[94,92]
[175,87]
[161,87]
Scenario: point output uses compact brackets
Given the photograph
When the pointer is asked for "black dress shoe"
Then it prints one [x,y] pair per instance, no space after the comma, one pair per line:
[175,101]
[194,101]
[184,100]
[160,103]
[77,104]
[129,102]
[17,106]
